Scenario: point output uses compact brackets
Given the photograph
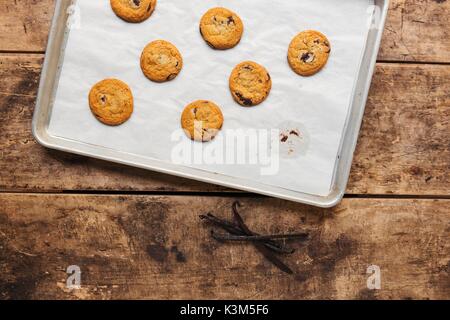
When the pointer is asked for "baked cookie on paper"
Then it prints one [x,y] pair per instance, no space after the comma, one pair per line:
[111,101]
[221,28]
[308,52]
[161,61]
[250,83]
[133,10]
[202,120]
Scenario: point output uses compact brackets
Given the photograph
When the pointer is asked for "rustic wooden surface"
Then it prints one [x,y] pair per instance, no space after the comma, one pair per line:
[137,235]
[156,247]
[416,30]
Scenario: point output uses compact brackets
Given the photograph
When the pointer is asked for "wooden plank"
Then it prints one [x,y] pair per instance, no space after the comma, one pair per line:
[156,247]
[416,30]
[25,24]
[403,147]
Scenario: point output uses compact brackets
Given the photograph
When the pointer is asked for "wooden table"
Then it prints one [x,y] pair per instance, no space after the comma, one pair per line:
[136,234]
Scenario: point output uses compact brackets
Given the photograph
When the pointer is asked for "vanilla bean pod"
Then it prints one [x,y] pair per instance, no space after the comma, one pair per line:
[258,245]
[225,237]
[235,230]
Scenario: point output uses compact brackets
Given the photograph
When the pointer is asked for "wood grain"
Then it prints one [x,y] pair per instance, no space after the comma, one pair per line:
[25,24]
[137,246]
[156,247]
[403,149]
[416,30]
[404,145]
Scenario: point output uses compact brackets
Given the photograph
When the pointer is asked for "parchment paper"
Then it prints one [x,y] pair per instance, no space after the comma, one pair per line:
[103,46]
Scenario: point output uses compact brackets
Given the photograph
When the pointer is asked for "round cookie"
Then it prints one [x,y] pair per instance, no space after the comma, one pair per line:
[250,83]
[308,52]
[133,10]
[161,61]
[202,120]
[221,28]
[111,101]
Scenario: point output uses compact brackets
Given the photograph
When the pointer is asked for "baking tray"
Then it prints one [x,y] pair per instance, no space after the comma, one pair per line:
[48,86]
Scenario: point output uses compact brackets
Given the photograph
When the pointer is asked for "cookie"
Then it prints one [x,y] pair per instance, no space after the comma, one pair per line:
[221,28]
[308,52]
[202,120]
[250,83]
[133,10]
[111,102]
[161,61]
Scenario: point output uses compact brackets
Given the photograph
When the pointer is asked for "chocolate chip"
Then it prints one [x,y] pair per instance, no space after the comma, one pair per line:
[307,57]
[230,20]
[137,3]
[171,76]
[244,100]
[103,98]
[210,44]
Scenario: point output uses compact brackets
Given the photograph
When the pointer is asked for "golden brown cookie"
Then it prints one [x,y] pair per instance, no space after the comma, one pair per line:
[133,10]
[221,28]
[250,83]
[308,52]
[111,101]
[161,61]
[202,120]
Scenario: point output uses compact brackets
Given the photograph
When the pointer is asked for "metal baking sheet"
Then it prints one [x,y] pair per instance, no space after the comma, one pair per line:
[52,127]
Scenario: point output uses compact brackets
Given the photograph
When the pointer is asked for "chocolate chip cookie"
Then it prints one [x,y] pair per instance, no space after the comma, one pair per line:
[202,120]
[308,52]
[133,10]
[250,83]
[221,28]
[161,61]
[111,102]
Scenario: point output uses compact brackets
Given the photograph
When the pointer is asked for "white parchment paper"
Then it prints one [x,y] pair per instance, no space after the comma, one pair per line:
[103,46]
